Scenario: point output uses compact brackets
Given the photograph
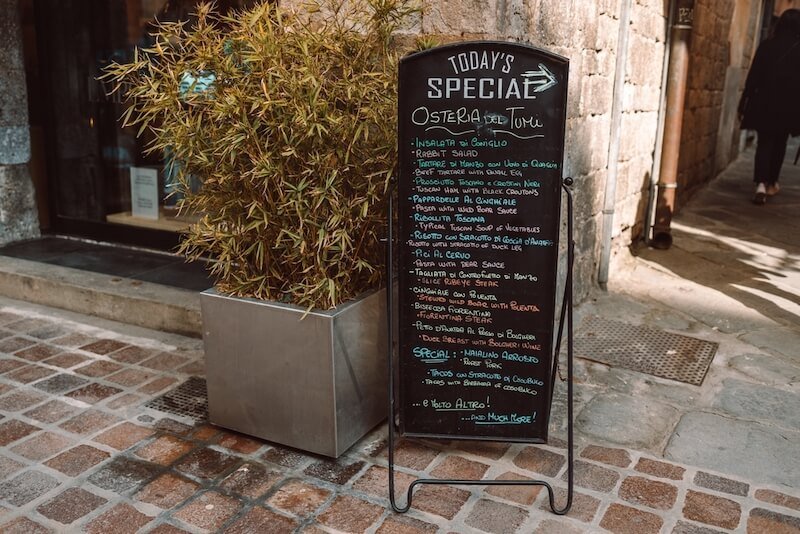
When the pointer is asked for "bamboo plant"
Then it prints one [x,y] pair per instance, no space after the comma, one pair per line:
[288,121]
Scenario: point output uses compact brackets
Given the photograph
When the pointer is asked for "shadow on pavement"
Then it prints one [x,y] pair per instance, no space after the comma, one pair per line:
[748,252]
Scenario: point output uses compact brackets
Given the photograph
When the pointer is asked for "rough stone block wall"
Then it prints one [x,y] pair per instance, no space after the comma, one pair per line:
[709,61]
[586,33]
[783,5]
[742,37]
[642,97]
[18,215]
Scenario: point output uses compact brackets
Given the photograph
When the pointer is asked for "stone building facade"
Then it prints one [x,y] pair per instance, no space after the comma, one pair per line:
[724,38]
[723,43]
[18,214]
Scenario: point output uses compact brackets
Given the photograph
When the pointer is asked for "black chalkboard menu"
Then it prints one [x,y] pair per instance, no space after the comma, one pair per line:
[481,145]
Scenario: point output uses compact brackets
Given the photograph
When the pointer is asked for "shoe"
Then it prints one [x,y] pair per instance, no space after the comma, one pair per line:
[773,189]
[760,196]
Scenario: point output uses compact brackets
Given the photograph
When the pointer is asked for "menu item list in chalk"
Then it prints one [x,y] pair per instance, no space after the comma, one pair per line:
[481,144]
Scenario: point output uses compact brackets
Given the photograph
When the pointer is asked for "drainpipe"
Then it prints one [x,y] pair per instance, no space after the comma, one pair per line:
[673,121]
[609,199]
[656,167]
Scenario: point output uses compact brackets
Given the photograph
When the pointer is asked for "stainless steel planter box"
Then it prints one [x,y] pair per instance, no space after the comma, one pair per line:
[316,383]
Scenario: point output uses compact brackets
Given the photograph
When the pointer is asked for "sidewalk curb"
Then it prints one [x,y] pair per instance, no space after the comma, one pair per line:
[125,300]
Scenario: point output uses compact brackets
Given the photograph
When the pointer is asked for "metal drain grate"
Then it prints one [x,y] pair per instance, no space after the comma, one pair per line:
[190,399]
[647,350]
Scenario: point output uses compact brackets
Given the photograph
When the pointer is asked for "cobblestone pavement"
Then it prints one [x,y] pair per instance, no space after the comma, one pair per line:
[81,452]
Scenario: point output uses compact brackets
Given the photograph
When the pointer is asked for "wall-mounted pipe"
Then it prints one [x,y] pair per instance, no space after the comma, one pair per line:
[678,74]
[610,194]
[657,151]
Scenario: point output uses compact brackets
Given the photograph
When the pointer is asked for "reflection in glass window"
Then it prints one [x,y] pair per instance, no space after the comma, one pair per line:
[90,154]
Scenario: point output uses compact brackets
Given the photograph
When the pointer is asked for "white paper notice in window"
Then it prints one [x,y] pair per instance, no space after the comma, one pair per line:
[144,193]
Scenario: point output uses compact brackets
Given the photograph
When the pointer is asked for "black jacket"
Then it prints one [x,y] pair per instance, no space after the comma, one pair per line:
[771,98]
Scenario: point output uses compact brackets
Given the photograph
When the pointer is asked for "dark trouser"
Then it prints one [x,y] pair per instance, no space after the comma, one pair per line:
[770,151]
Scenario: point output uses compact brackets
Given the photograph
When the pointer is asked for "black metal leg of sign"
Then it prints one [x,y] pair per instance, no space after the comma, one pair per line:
[390,339]
[566,312]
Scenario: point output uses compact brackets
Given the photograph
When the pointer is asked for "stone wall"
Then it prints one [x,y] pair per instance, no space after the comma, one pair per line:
[586,32]
[643,93]
[723,43]
[783,5]
[18,215]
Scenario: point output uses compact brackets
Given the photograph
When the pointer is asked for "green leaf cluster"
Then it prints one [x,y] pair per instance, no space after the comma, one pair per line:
[294,141]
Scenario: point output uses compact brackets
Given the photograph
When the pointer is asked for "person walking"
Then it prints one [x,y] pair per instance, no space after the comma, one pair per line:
[770,103]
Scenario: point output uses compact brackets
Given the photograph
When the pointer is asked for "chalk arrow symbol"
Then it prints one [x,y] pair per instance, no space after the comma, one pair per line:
[542,78]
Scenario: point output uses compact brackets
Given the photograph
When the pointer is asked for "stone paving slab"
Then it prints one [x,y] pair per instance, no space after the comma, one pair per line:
[642,423]
[751,450]
[81,453]
[764,404]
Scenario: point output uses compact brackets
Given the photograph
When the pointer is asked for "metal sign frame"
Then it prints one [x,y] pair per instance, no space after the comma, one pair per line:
[472,72]
[566,317]
[491,113]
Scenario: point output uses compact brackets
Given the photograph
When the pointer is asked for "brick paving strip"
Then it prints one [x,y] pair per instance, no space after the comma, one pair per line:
[79,452]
